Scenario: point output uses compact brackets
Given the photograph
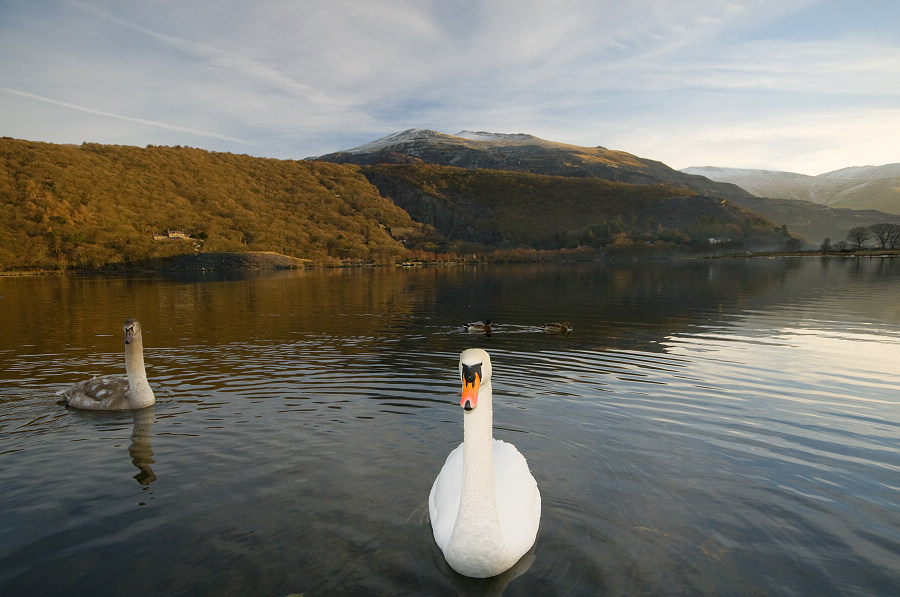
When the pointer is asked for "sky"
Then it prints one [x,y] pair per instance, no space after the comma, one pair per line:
[796,85]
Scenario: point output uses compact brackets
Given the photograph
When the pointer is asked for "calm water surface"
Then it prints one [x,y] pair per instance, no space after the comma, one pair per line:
[709,428]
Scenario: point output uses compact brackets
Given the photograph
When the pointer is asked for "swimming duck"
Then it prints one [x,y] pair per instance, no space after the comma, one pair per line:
[480,326]
[557,328]
[115,392]
[485,506]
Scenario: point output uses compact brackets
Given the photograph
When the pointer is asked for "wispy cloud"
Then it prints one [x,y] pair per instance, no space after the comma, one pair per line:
[155,124]
[230,62]
[666,79]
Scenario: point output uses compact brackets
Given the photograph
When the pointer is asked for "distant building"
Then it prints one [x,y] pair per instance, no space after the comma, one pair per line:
[171,235]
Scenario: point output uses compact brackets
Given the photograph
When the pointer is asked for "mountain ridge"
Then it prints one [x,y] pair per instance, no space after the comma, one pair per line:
[799,211]
[855,187]
[523,153]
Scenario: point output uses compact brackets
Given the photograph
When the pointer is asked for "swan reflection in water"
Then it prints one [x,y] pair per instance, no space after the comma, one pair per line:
[140,450]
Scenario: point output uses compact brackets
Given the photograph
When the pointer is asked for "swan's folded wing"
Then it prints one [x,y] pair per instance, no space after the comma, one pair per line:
[108,392]
[518,497]
[443,501]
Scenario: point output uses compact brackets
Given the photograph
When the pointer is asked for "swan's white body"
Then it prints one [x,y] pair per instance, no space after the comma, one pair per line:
[485,505]
[114,392]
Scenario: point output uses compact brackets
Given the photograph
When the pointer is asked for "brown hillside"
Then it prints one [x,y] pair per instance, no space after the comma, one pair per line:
[98,206]
[94,205]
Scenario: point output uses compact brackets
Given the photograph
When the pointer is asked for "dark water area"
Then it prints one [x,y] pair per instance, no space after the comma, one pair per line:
[715,427]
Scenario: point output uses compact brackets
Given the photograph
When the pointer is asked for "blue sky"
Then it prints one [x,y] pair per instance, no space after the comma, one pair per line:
[798,85]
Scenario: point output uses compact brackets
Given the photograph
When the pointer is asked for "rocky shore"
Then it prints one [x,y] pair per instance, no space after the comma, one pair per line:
[234,262]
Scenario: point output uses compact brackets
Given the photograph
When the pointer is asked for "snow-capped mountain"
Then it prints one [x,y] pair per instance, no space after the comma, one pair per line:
[508,138]
[410,137]
[523,153]
[398,139]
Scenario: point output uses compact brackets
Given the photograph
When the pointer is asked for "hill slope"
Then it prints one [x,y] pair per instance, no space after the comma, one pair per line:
[94,205]
[516,209]
[816,222]
[527,153]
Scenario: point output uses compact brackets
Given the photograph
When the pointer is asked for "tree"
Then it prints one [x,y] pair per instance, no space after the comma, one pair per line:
[793,245]
[887,235]
[859,236]
[825,247]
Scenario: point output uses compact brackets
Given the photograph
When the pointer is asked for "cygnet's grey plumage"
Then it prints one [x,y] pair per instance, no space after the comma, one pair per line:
[115,392]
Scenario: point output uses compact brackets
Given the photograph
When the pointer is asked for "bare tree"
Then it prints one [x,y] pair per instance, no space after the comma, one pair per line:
[887,235]
[858,236]
[825,247]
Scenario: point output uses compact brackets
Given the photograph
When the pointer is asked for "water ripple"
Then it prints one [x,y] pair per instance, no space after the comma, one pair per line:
[689,437]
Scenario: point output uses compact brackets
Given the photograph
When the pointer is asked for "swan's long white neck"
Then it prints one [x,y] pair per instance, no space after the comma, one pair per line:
[141,393]
[477,521]
[478,450]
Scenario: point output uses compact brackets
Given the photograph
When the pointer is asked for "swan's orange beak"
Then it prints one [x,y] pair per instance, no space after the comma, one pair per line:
[470,394]
[471,378]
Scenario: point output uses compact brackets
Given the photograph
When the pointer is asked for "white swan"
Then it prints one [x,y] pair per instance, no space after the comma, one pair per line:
[485,506]
[114,392]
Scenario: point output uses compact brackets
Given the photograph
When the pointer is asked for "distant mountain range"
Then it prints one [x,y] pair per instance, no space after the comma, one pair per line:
[524,153]
[865,187]
[513,190]
[415,194]
[814,207]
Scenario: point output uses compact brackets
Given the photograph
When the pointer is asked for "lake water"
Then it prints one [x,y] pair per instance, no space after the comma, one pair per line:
[724,427]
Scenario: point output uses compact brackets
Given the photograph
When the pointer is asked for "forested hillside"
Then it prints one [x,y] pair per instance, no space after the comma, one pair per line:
[100,206]
[515,209]
[94,205]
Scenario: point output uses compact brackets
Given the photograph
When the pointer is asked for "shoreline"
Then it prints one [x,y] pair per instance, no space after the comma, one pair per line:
[269,261]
